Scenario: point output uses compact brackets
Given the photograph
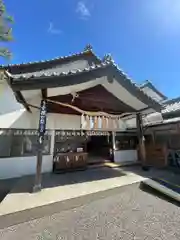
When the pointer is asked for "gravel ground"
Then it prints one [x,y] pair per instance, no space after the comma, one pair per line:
[130,214]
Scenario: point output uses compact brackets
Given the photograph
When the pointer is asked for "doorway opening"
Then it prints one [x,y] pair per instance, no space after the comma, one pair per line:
[98,148]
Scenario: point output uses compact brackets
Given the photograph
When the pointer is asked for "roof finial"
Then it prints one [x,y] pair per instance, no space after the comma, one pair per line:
[108,58]
[88,47]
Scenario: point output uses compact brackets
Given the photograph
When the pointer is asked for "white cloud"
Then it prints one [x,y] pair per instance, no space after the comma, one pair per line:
[53,30]
[83,10]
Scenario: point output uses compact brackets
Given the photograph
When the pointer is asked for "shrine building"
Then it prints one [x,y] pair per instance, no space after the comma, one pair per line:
[88,102]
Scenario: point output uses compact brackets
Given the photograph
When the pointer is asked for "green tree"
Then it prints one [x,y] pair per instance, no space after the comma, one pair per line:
[5,29]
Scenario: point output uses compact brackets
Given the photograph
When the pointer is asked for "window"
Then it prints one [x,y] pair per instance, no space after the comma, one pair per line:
[126,142]
[18,142]
[5,143]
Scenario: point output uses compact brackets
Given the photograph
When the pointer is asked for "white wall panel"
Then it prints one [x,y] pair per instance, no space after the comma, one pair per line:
[19,166]
[123,156]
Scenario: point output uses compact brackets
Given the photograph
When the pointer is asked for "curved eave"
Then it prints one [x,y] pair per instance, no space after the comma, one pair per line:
[108,69]
[10,67]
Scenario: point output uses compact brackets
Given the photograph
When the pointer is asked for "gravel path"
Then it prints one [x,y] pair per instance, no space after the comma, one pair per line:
[130,214]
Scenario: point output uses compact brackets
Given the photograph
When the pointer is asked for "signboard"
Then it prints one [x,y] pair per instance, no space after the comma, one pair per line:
[42,120]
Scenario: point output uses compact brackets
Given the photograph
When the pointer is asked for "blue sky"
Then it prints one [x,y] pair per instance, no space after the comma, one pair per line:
[142,36]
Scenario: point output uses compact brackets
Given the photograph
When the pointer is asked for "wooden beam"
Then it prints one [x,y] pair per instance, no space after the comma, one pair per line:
[44,93]
[22,100]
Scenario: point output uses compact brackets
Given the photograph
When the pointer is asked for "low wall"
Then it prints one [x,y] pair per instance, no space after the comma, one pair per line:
[125,156]
[19,166]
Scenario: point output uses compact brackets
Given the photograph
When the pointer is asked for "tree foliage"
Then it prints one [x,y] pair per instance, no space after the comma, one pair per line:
[5,29]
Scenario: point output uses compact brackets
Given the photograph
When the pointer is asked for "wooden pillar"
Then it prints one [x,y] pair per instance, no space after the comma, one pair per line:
[140,135]
[42,129]
[37,185]
[153,137]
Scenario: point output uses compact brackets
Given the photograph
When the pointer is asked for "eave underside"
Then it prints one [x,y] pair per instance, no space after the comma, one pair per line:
[106,75]
[95,99]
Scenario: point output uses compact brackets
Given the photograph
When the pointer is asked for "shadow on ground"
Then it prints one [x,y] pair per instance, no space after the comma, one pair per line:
[50,180]
[165,174]
[6,186]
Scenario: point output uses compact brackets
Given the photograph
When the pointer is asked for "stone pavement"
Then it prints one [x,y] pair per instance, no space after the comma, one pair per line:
[63,187]
[65,191]
[126,214]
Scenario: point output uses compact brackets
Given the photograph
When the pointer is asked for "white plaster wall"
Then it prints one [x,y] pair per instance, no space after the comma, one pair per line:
[130,123]
[125,156]
[12,114]
[19,166]
[63,121]
[8,102]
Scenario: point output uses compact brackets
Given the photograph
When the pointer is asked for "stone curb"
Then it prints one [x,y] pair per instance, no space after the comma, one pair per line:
[162,189]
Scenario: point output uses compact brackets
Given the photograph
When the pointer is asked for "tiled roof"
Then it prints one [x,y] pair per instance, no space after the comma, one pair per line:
[171,107]
[133,83]
[132,124]
[53,73]
[171,101]
[106,63]
[165,121]
[152,91]
[53,59]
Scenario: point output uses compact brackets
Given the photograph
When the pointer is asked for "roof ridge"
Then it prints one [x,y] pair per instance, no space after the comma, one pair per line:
[53,59]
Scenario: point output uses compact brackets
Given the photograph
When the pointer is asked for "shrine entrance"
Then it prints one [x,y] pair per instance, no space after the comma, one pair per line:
[98,148]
